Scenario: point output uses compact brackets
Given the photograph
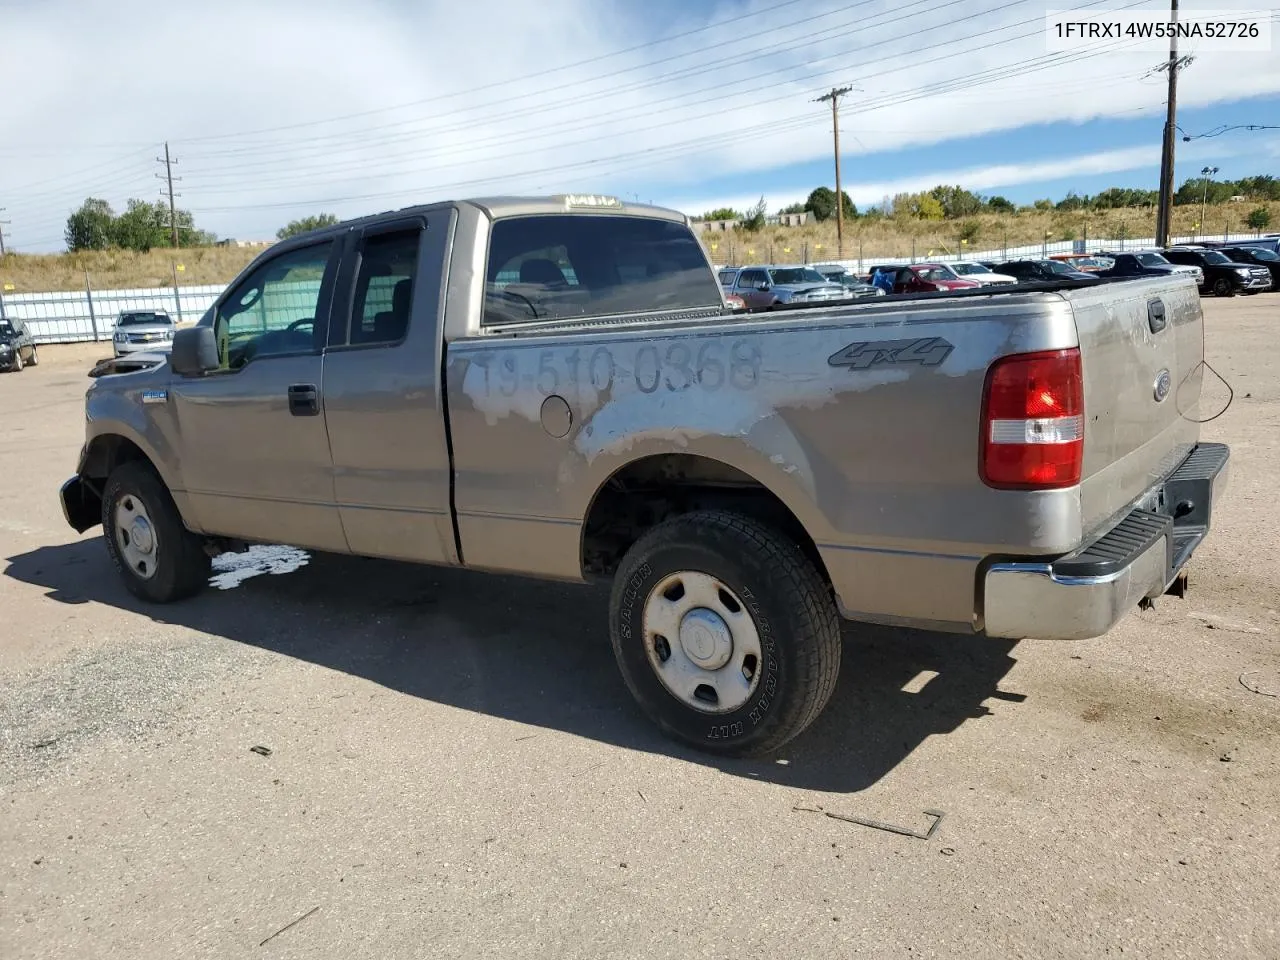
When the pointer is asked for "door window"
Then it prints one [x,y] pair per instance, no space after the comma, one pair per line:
[384,288]
[273,311]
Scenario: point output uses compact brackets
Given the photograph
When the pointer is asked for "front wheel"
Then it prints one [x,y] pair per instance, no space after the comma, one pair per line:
[725,633]
[159,559]
[35,356]
[1222,287]
[17,361]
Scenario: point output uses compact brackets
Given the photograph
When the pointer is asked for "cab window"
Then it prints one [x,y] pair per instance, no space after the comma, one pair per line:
[561,266]
[384,288]
[273,311]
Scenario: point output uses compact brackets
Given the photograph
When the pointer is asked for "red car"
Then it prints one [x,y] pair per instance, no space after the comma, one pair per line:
[930,278]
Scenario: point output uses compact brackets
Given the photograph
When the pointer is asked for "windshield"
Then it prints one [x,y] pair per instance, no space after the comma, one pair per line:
[963,268]
[796,275]
[134,319]
[1151,260]
[935,273]
[6,328]
[1057,266]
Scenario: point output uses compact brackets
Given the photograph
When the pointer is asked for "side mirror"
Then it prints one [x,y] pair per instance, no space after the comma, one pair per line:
[194,352]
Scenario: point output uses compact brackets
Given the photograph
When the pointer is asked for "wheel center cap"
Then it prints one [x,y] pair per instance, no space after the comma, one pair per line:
[140,535]
[706,638]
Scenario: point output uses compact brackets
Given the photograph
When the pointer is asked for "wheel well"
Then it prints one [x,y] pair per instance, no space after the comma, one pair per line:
[650,490]
[107,452]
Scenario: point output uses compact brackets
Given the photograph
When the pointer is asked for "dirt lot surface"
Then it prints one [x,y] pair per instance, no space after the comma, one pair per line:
[455,767]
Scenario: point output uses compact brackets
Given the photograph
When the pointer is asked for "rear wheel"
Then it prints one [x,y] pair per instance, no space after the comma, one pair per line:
[159,559]
[1222,287]
[35,356]
[725,633]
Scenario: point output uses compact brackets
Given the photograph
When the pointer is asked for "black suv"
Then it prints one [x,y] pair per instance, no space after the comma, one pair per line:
[1222,275]
[17,349]
[1259,257]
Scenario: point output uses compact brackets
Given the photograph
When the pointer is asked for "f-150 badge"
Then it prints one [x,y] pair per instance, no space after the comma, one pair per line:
[926,351]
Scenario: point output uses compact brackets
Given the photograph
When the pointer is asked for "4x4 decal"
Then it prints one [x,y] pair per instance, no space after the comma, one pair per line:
[926,351]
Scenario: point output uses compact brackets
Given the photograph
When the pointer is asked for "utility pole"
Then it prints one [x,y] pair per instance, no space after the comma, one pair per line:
[834,96]
[1164,215]
[3,223]
[169,178]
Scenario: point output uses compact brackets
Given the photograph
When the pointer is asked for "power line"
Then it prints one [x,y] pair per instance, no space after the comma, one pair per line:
[503,83]
[1225,128]
[362,163]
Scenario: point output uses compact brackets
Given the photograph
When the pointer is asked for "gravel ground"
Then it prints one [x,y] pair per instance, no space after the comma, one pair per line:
[452,766]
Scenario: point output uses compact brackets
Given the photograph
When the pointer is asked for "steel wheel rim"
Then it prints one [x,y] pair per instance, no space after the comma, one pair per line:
[701,642]
[136,536]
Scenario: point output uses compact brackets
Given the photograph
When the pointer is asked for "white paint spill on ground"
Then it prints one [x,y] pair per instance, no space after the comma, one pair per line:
[232,569]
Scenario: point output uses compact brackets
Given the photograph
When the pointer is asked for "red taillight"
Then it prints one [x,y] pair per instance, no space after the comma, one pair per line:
[1033,421]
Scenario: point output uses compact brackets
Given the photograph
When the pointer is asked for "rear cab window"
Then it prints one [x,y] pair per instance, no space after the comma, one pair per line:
[572,266]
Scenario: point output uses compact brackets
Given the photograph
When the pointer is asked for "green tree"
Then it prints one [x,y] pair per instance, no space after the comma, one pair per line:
[1073,201]
[822,204]
[1000,205]
[142,226]
[89,228]
[930,208]
[970,229]
[295,227]
[753,219]
[1043,205]
[1259,218]
[722,213]
[792,208]
[956,201]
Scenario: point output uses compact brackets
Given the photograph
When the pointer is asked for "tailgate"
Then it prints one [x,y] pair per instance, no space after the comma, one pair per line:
[1141,345]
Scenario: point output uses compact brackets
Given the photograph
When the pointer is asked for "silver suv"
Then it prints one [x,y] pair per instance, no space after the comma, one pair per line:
[139,330]
[770,285]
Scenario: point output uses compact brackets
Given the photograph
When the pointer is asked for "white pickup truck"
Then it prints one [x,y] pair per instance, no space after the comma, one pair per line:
[556,388]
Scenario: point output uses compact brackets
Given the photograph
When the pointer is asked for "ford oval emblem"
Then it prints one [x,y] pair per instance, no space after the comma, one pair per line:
[1163,382]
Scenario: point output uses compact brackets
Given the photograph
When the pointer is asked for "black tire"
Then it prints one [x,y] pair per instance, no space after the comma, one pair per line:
[791,608]
[35,356]
[182,568]
[17,361]
[1222,287]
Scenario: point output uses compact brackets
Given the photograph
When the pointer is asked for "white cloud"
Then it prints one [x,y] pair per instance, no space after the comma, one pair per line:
[114,80]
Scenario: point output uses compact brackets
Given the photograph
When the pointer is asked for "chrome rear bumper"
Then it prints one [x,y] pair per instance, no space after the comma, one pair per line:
[1086,593]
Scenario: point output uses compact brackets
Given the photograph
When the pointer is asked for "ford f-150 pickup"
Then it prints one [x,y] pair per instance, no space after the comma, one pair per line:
[556,388]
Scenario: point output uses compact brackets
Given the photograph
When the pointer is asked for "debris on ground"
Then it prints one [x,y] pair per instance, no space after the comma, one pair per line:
[937,816]
[261,750]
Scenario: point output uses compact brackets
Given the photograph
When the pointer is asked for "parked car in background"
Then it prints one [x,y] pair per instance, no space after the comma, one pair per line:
[1044,271]
[968,270]
[928,278]
[1259,256]
[1264,243]
[17,348]
[1148,263]
[138,330]
[1220,273]
[773,285]
[1084,262]
[850,281]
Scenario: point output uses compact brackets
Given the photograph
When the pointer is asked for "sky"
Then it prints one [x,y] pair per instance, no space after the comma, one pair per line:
[278,110]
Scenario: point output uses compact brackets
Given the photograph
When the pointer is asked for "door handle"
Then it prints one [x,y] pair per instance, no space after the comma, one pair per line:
[304,400]
[1155,315]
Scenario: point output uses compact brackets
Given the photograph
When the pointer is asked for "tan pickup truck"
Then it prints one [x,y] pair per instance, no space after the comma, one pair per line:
[555,387]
